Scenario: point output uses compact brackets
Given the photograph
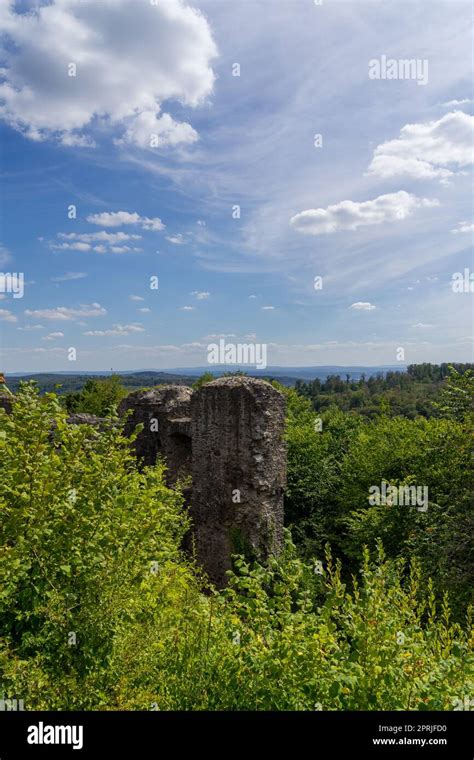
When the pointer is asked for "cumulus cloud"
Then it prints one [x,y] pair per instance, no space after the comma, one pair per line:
[136,298]
[118,330]
[434,149]
[7,316]
[148,130]
[350,215]
[187,308]
[64,313]
[362,306]
[201,295]
[268,308]
[129,59]
[53,336]
[177,239]
[120,218]
[108,242]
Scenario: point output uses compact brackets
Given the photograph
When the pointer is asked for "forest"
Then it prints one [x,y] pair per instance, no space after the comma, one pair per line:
[368,608]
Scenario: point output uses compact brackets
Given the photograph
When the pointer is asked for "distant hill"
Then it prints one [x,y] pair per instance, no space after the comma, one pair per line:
[71,381]
[298,373]
[74,382]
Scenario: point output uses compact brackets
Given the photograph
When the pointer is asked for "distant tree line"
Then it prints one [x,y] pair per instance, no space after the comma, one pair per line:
[412,393]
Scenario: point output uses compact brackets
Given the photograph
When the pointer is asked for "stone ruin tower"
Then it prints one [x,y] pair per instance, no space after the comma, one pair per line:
[165,413]
[239,472]
[229,436]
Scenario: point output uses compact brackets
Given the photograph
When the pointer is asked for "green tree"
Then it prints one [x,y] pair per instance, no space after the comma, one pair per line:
[98,396]
[207,377]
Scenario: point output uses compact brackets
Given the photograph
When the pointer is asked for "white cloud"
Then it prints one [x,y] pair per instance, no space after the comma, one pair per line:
[63,313]
[120,218]
[118,330]
[53,336]
[177,239]
[129,58]
[78,246]
[112,238]
[69,276]
[145,310]
[28,328]
[421,326]
[7,316]
[350,215]
[187,308]
[433,149]
[463,227]
[455,103]
[200,295]
[362,306]
[136,298]
[268,308]
[109,242]
[150,130]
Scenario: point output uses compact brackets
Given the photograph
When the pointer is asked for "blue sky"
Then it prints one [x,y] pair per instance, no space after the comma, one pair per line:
[381,208]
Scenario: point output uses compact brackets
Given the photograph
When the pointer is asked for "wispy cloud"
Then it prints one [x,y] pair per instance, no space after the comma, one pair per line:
[117,330]
[64,313]
[69,276]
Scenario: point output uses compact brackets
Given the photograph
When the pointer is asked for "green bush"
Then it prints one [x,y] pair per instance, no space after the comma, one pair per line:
[90,546]
[98,396]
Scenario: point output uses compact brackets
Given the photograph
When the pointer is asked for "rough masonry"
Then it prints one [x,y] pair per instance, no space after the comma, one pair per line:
[165,414]
[239,472]
[228,436]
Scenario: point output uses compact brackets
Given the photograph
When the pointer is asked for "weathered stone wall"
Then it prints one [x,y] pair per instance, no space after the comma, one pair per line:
[229,436]
[239,472]
[6,402]
[165,415]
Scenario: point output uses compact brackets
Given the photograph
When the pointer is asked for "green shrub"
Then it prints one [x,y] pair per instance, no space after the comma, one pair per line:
[99,608]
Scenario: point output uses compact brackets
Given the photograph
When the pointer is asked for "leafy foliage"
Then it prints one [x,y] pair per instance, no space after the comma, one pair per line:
[98,396]
[100,609]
